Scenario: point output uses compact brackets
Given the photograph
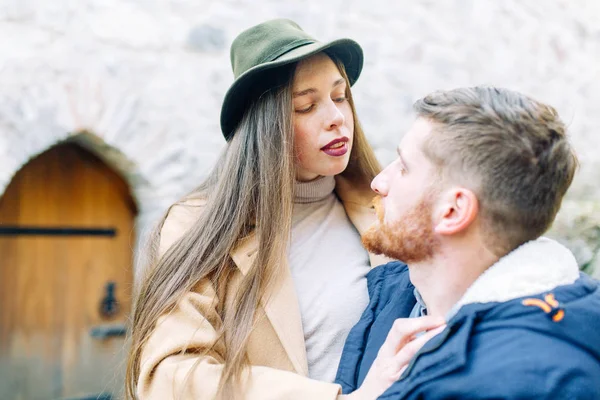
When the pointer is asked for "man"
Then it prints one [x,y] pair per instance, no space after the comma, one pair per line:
[479,178]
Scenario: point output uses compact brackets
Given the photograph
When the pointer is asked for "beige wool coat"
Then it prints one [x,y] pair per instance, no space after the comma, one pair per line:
[171,365]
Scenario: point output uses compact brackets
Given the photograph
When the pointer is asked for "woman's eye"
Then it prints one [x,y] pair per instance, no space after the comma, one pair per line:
[305,109]
[340,99]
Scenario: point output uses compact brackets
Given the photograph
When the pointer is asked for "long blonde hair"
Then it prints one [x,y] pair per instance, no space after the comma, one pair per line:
[249,190]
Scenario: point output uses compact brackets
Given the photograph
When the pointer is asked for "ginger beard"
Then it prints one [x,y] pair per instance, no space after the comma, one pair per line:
[411,239]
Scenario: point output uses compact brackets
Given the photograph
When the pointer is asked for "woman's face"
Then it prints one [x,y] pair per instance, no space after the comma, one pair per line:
[323,119]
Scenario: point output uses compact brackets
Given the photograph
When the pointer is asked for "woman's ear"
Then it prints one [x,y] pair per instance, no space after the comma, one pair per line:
[458,208]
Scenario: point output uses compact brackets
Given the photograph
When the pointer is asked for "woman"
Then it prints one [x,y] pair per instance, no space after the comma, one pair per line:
[260,273]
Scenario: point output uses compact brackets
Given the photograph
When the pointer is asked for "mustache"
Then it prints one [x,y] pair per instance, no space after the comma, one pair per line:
[379,211]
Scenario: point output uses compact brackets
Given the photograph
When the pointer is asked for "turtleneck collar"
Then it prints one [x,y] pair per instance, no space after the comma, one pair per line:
[313,191]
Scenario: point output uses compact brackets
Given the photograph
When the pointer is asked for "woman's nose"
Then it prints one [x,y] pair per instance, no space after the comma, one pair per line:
[336,118]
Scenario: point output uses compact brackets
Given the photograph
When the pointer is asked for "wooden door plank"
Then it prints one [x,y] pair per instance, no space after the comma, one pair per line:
[51,287]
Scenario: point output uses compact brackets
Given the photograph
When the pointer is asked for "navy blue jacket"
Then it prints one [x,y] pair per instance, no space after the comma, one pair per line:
[488,350]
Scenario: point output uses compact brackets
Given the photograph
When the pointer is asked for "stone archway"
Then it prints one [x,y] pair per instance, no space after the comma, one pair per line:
[106,117]
[108,120]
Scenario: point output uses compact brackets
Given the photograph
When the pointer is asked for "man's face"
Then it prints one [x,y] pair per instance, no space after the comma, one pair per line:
[405,229]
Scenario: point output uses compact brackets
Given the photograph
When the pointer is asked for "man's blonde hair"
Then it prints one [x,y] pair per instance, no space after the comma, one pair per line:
[510,149]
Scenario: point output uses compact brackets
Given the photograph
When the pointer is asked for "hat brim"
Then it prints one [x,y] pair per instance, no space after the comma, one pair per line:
[256,80]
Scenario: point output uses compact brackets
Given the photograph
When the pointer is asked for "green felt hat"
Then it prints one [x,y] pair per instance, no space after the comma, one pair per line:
[257,52]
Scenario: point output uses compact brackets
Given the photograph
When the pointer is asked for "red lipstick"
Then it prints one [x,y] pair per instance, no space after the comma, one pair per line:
[337,147]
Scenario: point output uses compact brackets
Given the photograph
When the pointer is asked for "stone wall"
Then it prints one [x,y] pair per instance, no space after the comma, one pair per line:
[141,82]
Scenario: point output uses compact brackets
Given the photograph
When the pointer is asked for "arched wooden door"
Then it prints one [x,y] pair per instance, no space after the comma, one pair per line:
[66,236]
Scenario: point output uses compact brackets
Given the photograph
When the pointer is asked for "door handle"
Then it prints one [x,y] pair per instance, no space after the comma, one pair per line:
[109,306]
[108,331]
[101,396]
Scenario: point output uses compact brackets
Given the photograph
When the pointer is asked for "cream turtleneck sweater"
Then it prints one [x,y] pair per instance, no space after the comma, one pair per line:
[329,267]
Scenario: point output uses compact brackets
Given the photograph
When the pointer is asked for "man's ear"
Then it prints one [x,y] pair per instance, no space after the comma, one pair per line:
[458,208]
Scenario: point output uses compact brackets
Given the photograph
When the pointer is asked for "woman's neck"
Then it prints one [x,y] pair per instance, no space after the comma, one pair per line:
[313,191]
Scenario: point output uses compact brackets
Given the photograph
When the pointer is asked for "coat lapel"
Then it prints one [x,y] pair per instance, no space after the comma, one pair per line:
[281,304]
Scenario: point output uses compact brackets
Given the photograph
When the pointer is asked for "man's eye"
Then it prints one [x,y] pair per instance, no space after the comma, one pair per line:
[401,167]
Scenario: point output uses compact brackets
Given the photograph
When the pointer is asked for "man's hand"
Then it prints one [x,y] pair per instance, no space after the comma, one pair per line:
[393,357]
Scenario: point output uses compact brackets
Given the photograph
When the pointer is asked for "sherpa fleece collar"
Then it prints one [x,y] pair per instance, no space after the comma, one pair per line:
[534,267]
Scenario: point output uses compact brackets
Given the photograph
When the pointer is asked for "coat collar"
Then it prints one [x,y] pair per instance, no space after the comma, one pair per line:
[534,267]
[359,208]
[351,193]
[282,306]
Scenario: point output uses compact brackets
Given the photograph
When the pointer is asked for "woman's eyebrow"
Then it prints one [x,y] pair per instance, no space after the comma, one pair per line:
[313,90]
[304,92]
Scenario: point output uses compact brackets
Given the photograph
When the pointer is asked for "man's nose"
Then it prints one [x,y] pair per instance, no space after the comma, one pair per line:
[380,184]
